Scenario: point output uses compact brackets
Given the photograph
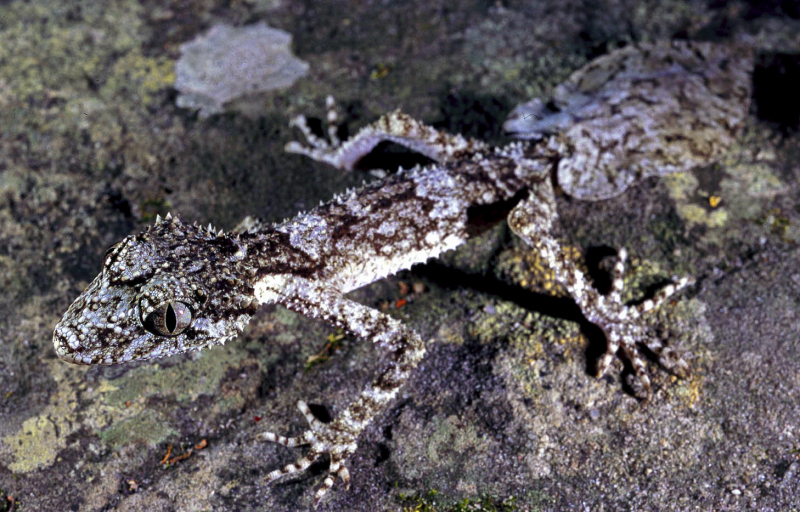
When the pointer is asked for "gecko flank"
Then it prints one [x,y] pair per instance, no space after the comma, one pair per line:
[644,110]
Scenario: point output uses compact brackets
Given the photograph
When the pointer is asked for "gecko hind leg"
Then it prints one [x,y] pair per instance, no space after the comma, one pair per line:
[622,324]
[396,127]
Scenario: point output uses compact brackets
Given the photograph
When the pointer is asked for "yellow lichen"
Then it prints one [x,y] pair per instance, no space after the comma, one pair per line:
[144,75]
[41,437]
[119,414]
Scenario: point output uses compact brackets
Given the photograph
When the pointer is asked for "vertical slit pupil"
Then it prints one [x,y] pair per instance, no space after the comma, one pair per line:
[170,319]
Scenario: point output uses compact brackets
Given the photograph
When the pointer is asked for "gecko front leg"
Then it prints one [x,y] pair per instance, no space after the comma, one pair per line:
[531,220]
[403,350]
[394,127]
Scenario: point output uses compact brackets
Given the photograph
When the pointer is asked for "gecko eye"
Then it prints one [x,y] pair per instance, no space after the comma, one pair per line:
[169,319]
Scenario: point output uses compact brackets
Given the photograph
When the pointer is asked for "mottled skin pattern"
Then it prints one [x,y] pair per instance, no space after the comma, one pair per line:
[177,287]
[644,110]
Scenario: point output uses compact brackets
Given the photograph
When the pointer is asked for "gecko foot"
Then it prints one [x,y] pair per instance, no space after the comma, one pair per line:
[625,330]
[317,147]
[333,438]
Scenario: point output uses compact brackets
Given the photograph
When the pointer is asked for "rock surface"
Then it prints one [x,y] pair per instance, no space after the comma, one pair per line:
[504,413]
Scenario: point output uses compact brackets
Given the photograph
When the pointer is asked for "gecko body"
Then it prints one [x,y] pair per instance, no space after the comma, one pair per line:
[356,239]
[176,287]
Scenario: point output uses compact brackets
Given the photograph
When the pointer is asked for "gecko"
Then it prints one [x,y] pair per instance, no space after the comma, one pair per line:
[646,109]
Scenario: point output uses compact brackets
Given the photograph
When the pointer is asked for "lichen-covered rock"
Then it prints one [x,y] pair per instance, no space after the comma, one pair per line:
[230,62]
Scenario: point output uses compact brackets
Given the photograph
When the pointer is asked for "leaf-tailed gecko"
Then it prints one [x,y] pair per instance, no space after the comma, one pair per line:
[644,110]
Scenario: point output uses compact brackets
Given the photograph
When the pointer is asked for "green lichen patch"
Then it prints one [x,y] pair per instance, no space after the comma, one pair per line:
[185,382]
[449,450]
[780,224]
[40,438]
[739,188]
[434,501]
[146,427]
[451,438]
[143,75]
[62,48]
[78,91]
[119,411]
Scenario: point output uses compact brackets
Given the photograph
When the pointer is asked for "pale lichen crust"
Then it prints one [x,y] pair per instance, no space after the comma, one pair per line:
[227,63]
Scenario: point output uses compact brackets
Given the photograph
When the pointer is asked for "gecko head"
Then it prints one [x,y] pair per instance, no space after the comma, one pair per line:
[169,289]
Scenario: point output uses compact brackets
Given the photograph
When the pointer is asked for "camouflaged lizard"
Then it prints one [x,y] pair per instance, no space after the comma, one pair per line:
[644,110]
